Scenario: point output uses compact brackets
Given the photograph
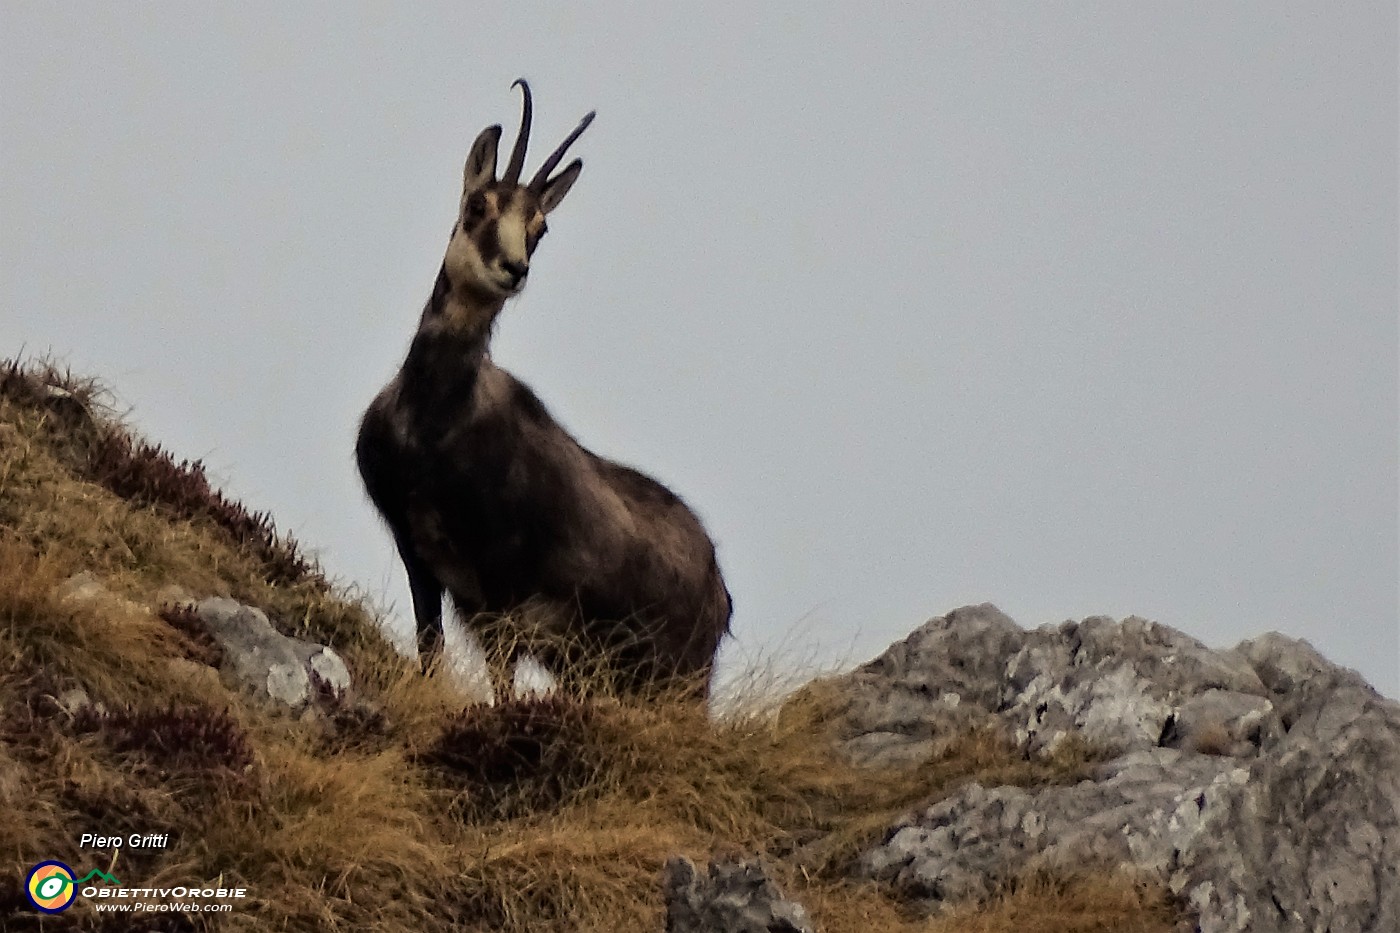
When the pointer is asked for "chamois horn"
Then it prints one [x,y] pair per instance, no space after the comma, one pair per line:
[517,154]
[542,176]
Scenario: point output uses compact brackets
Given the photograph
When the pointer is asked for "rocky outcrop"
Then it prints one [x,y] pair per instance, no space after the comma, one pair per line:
[1262,783]
[734,897]
[1125,685]
[273,666]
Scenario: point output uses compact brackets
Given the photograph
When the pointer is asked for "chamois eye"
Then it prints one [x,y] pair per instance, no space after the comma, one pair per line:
[475,210]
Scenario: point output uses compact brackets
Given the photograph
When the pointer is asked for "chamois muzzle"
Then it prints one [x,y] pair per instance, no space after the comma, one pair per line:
[517,272]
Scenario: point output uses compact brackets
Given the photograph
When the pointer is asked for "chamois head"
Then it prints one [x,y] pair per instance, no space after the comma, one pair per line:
[501,221]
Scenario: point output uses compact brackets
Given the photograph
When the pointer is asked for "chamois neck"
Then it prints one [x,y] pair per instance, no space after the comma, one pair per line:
[461,314]
[447,353]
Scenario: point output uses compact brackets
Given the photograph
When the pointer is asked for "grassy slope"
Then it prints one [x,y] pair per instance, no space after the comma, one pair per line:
[402,810]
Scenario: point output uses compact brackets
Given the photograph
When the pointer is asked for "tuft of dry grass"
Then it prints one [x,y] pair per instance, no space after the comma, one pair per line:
[199,644]
[1102,902]
[398,807]
[519,756]
[172,738]
[1213,739]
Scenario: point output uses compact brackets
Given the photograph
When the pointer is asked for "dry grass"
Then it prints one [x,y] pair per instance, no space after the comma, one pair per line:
[398,809]
[1213,738]
[1106,902]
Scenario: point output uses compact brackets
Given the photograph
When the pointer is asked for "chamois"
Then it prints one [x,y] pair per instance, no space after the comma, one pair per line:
[542,545]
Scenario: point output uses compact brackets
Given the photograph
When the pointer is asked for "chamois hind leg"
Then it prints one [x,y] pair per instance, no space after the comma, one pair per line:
[500,649]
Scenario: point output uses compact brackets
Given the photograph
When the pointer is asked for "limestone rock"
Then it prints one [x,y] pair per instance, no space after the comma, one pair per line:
[1222,722]
[1116,684]
[1123,686]
[735,897]
[1136,812]
[81,588]
[945,677]
[274,666]
[75,700]
[1311,841]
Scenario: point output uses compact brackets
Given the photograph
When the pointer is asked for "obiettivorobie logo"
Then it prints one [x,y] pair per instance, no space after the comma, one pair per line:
[52,888]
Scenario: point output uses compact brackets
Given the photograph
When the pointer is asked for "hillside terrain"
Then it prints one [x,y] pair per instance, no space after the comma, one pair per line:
[342,790]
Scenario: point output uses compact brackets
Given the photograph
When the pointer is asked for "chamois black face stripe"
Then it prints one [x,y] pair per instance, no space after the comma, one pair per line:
[488,244]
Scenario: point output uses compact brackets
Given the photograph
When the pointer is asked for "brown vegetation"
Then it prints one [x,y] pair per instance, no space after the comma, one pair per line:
[398,809]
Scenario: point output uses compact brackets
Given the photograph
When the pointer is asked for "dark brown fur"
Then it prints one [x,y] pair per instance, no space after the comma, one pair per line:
[543,545]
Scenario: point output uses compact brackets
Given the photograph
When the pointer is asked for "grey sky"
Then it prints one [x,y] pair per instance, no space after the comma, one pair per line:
[1075,312]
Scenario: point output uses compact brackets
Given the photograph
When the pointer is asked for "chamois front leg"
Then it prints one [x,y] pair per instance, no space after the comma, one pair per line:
[427,607]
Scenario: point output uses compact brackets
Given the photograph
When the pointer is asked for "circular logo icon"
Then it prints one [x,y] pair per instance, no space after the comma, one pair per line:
[50,887]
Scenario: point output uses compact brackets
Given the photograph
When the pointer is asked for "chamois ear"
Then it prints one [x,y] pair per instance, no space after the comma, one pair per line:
[481,161]
[559,185]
